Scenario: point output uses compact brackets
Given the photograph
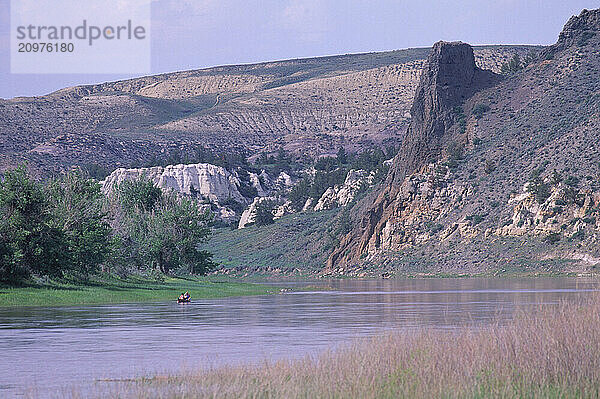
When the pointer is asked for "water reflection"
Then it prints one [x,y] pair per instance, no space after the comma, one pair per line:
[53,347]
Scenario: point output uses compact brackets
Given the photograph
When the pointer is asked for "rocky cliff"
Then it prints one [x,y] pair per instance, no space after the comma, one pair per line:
[506,168]
[448,79]
[205,180]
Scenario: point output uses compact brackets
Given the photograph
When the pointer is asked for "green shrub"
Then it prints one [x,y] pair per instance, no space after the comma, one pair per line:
[479,110]
[490,166]
[475,219]
[552,238]
[264,212]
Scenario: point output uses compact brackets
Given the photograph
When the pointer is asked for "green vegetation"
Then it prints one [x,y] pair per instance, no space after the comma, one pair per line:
[456,152]
[538,187]
[460,118]
[264,212]
[490,166]
[479,110]
[296,241]
[156,231]
[106,288]
[516,64]
[552,352]
[68,228]
[331,171]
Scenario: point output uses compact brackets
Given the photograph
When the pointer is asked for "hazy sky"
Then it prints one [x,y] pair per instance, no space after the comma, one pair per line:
[190,34]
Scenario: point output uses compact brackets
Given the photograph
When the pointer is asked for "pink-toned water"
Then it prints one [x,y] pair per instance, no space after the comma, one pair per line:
[45,350]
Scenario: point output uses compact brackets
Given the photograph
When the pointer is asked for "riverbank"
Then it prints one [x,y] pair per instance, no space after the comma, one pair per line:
[109,289]
[554,352]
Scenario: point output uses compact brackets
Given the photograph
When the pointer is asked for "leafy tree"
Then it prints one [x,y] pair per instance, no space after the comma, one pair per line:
[300,193]
[139,195]
[174,232]
[159,231]
[29,243]
[77,210]
[264,213]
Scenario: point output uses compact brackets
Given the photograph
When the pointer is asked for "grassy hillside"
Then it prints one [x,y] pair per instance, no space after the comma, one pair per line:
[295,244]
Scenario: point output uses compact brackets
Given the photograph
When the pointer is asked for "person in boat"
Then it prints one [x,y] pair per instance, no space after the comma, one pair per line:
[185,297]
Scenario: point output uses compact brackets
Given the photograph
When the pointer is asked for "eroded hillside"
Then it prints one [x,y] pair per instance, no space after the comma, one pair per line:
[310,106]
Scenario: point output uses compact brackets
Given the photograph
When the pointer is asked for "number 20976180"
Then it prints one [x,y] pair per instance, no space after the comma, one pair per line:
[46,47]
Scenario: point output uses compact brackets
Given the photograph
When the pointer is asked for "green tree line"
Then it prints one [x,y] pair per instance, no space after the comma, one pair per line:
[331,171]
[67,227]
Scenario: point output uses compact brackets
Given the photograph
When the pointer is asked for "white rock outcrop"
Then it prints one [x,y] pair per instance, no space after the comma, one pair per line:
[343,194]
[212,182]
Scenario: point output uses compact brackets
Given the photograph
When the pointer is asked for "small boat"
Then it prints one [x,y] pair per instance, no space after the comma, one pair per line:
[179,300]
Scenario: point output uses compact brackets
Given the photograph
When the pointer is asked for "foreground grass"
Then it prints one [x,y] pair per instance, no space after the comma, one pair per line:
[110,289]
[554,353]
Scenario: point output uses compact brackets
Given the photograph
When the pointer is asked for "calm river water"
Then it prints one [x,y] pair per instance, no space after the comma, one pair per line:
[45,349]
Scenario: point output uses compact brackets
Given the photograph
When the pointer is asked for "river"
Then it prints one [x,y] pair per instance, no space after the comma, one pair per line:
[45,350]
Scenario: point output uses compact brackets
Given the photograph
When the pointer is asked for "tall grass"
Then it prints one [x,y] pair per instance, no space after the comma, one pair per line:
[553,352]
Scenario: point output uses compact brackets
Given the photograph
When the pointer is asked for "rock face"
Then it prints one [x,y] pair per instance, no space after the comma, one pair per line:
[249,215]
[449,78]
[211,182]
[496,136]
[577,32]
[344,194]
[566,212]
[217,188]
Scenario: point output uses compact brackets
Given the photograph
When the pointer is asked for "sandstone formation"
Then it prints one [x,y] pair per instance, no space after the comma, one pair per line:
[205,180]
[449,78]
[344,194]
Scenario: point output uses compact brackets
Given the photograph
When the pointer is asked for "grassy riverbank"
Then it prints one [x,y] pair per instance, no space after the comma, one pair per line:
[554,353]
[111,289]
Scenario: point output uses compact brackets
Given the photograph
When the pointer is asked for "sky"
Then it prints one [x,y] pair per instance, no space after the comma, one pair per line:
[192,34]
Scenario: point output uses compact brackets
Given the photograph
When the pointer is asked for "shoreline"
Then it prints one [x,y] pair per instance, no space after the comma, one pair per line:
[386,275]
[113,290]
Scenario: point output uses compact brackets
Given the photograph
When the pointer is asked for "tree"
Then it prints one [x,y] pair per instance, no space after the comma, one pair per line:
[159,231]
[77,210]
[138,195]
[300,193]
[512,66]
[29,243]
[175,230]
[342,157]
[264,212]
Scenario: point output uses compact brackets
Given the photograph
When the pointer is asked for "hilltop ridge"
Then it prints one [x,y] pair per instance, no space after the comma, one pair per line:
[309,106]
